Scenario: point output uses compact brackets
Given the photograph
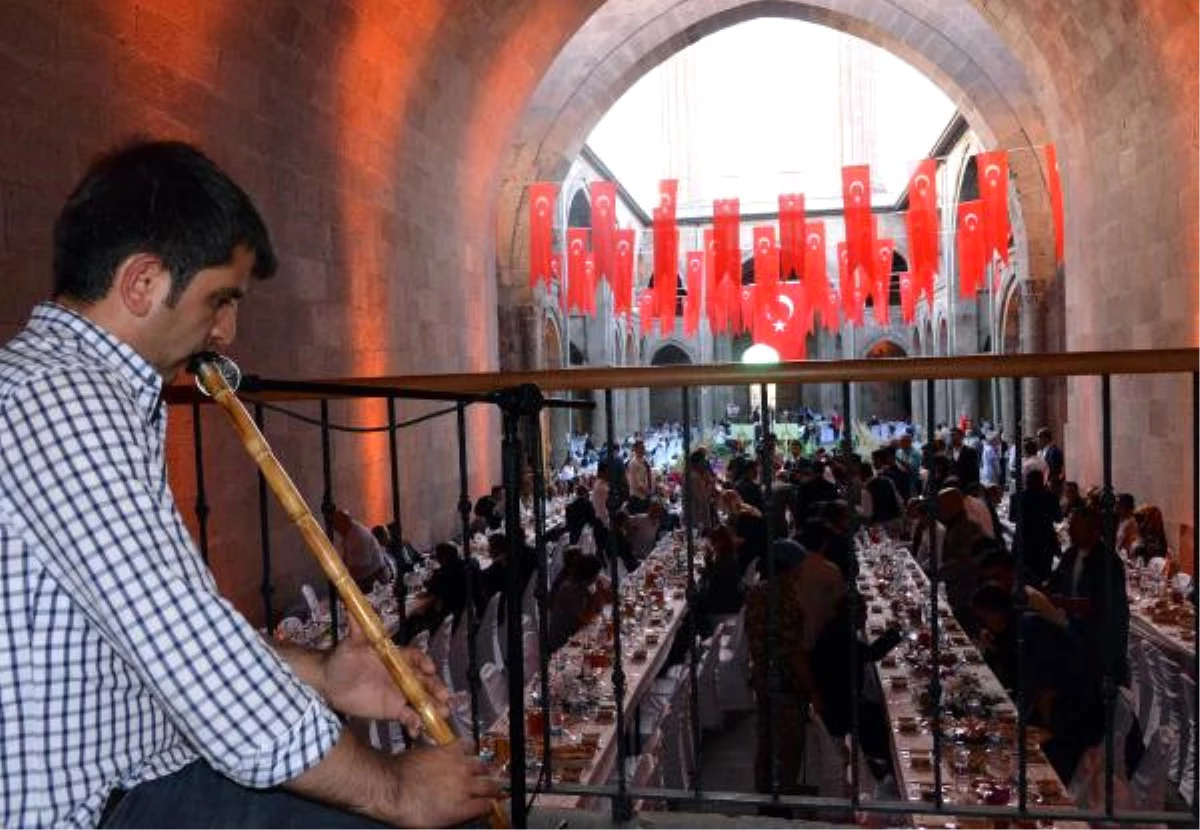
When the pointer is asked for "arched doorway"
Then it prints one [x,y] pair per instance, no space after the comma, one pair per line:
[885,401]
[667,404]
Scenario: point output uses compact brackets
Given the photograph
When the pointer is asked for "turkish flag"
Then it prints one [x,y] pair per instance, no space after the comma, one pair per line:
[668,191]
[971,258]
[1054,183]
[816,278]
[541,231]
[992,169]
[849,289]
[791,236]
[604,226]
[589,285]
[726,235]
[645,304]
[746,308]
[711,303]
[556,271]
[882,278]
[666,267]
[908,298]
[860,224]
[694,299]
[766,261]
[577,252]
[923,233]
[780,322]
[622,282]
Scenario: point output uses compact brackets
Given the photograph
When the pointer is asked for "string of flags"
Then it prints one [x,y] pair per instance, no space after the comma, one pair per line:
[790,295]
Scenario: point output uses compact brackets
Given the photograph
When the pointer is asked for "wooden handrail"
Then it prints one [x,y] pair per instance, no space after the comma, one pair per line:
[586,378]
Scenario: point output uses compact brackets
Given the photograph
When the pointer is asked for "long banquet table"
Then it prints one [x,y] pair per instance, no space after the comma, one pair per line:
[978,720]
[584,743]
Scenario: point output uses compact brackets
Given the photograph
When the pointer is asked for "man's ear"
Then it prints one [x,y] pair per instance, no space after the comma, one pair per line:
[141,282]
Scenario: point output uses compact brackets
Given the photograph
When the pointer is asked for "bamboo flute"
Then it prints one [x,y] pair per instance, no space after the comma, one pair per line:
[213,382]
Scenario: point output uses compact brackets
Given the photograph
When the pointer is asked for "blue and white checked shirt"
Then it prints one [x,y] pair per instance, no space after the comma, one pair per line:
[119,662]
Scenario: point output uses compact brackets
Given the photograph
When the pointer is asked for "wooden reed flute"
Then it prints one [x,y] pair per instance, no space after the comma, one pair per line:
[406,679]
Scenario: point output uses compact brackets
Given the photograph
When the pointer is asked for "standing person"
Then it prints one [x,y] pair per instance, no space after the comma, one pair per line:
[139,683]
[965,458]
[1035,511]
[1051,454]
[359,549]
[640,477]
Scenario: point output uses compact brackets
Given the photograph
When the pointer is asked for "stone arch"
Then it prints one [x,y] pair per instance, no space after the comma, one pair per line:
[579,209]
[666,404]
[956,45]
[887,401]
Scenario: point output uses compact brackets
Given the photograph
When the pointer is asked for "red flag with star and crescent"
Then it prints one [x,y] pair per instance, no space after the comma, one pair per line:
[645,306]
[604,227]
[849,289]
[589,285]
[780,321]
[992,169]
[908,298]
[746,308]
[881,279]
[1054,183]
[577,252]
[728,262]
[710,279]
[694,299]
[860,224]
[791,236]
[622,282]
[766,262]
[923,236]
[541,231]
[971,257]
[666,267]
[816,277]
[556,272]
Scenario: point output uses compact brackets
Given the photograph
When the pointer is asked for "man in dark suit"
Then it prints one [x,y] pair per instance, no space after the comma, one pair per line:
[965,458]
[1089,583]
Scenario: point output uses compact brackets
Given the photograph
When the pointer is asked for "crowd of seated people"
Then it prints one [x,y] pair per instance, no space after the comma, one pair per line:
[790,514]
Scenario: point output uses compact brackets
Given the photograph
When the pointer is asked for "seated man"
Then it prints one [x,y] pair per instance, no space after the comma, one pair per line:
[359,549]
[578,598]
[144,698]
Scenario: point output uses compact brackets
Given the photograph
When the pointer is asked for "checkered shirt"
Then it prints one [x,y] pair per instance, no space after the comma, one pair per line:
[119,662]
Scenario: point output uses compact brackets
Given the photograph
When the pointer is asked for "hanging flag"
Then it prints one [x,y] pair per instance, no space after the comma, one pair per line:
[971,258]
[791,236]
[645,305]
[908,298]
[816,278]
[746,309]
[1054,183]
[556,272]
[577,251]
[622,282]
[780,322]
[541,231]
[666,267]
[589,285]
[766,262]
[849,288]
[728,261]
[694,299]
[923,236]
[604,226]
[860,225]
[881,291]
[668,190]
[992,169]
[711,302]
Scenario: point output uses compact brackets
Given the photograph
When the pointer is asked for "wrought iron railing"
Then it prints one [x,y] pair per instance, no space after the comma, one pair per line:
[520,402]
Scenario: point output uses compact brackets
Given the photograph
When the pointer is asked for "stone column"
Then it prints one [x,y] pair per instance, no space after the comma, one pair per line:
[1032,341]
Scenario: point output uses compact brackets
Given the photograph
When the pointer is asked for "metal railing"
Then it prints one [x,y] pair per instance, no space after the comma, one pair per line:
[518,397]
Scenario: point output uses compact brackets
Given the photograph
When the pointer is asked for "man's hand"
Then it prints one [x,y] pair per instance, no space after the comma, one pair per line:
[441,786]
[356,683]
[423,787]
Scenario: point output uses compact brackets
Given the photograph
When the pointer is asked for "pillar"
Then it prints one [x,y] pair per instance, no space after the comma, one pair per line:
[1033,341]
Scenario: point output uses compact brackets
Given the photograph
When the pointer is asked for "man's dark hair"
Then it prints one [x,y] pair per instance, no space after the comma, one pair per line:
[164,198]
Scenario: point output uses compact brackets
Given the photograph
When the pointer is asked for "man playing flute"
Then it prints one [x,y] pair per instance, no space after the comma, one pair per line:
[131,692]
